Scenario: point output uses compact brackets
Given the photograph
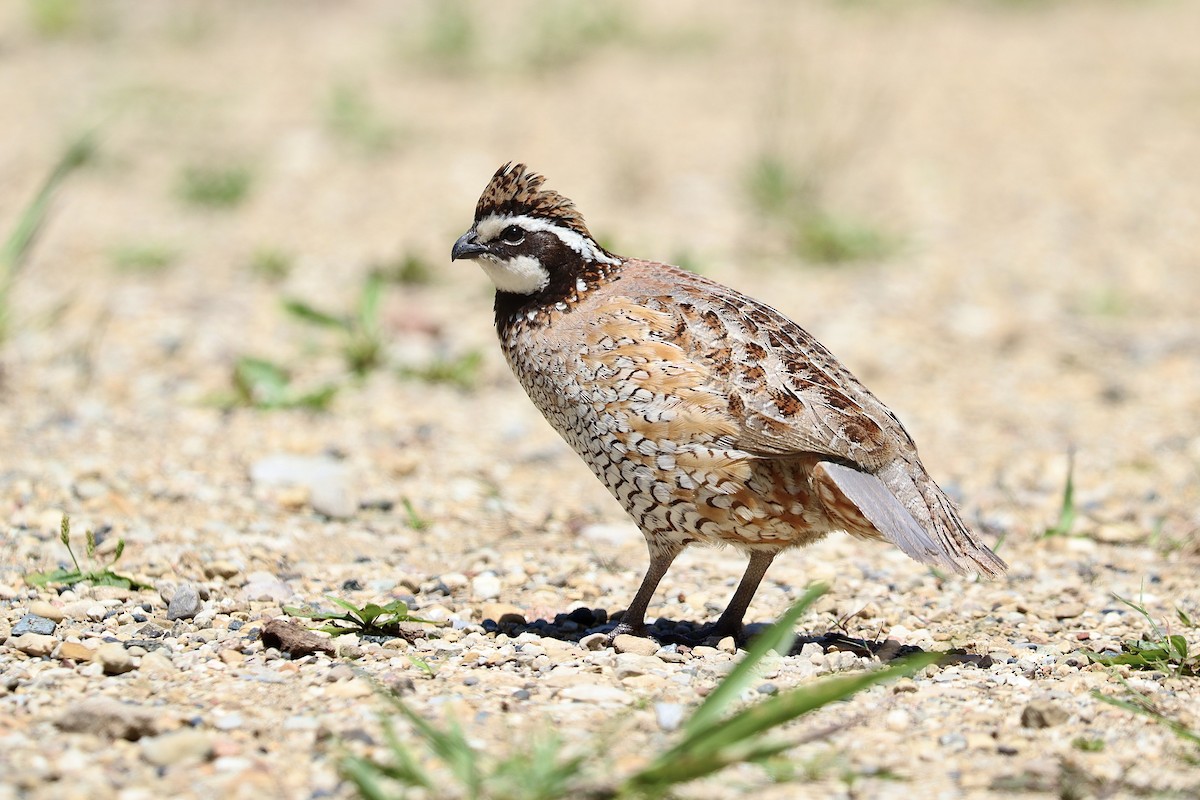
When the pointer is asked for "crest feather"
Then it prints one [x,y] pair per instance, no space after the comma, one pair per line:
[514,191]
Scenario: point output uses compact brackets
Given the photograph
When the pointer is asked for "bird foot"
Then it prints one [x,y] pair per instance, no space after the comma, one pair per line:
[624,628]
[711,635]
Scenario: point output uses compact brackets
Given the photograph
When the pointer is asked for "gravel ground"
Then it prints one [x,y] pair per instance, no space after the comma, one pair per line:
[1035,165]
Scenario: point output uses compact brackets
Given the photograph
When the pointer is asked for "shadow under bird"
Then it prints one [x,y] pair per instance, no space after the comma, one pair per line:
[710,416]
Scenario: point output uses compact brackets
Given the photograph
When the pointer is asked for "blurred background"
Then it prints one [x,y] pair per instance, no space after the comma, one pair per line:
[988,209]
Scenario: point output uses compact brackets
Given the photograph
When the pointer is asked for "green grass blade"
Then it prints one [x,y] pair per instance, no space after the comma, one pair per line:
[1066,513]
[414,520]
[406,768]
[354,610]
[449,745]
[316,400]
[260,382]
[16,248]
[67,576]
[421,664]
[1141,610]
[307,313]
[728,741]
[397,608]
[537,773]
[777,637]
[365,774]
[1143,707]
[319,616]
[365,777]
[368,303]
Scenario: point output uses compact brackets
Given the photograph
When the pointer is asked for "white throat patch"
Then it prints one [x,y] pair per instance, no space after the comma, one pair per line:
[520,275]
[490,227]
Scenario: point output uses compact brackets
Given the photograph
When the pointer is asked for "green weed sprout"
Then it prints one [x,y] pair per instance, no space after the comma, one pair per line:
[1164,651]
[371,619]
[362,336]
[99,576]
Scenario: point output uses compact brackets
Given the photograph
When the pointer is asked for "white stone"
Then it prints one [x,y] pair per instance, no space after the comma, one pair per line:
[593,693]
[113,658]
[182,746]
[486,586]
[669,715]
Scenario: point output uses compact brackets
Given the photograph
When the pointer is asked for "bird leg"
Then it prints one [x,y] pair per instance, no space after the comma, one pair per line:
[730,623]
[634,618]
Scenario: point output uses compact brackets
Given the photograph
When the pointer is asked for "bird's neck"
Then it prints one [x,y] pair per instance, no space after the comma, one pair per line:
[565,290]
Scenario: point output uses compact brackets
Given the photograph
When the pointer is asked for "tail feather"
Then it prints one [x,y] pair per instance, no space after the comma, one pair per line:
[911,512]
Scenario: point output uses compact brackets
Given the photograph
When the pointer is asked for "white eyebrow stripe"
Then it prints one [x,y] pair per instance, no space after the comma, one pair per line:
[490,226]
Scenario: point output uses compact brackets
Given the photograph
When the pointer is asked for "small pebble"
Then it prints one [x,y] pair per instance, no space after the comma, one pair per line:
[595,693]
[638,645]
[502,612]
[110,718]
[630,664]
[232,657]
[353,688]
[594,641]
[41,608]
[486,586]
[669,715]
[74,651]
[220,569]
[186,746]
[953,741]
[1068,610]
[339,672]
[1043,714]
[35,644]
[228,722]
[113,658]
[185,602]
[32,623]
[265,587]
[300,722]
[334,497]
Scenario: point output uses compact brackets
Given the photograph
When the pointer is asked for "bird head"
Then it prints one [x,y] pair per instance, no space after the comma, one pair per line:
[525,236]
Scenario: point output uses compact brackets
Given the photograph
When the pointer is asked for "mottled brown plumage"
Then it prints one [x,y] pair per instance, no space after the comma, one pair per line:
[710,416]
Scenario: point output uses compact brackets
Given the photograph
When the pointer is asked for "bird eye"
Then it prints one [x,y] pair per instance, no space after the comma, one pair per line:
[513,234]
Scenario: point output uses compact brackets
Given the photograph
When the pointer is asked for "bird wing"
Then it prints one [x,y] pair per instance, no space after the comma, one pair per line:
[789,394]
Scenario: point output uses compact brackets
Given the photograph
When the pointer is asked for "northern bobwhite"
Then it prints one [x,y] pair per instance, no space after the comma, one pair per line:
[710,416]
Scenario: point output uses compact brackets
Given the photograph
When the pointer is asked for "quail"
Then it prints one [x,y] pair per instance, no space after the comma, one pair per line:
[710,416]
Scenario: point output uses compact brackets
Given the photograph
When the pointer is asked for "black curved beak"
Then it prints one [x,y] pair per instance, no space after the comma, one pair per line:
[467,247]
